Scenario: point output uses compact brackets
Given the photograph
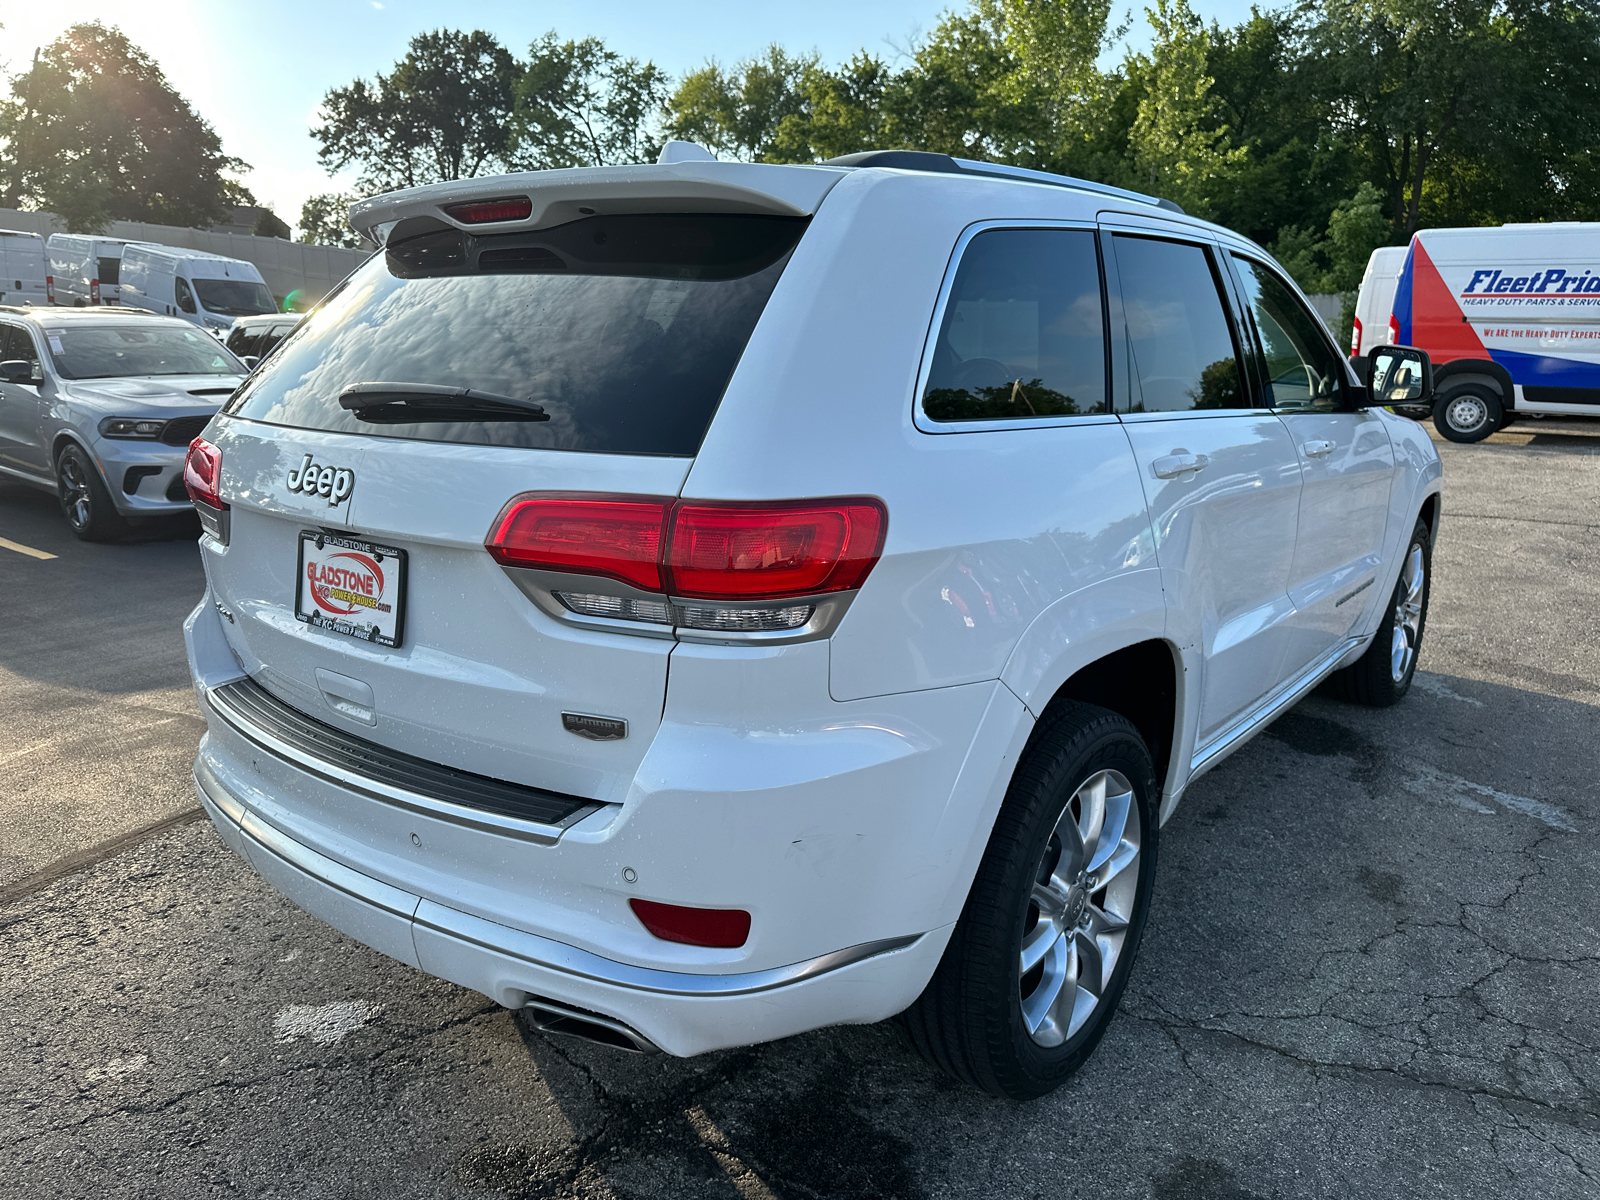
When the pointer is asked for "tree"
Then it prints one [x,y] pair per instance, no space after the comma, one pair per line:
[579,104]
[444,112]
[1177,146]
[325,220]
[270,224]
[93,132]
[737,113]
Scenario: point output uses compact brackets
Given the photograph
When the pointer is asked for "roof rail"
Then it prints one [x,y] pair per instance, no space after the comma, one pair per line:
[923,160]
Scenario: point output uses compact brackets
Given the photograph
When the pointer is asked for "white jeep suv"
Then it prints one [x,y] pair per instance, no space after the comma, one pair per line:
[701,602]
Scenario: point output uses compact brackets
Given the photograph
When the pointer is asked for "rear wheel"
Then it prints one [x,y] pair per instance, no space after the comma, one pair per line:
[1468,413]
[1382,676]
[1035,969]
[85,502]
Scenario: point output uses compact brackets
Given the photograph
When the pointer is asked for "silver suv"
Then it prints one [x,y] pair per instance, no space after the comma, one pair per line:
[99,406]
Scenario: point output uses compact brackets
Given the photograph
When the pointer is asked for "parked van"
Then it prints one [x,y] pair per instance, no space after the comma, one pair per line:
[84,270]
[23,268]
[1375,302]
[204,289]
[1510,317]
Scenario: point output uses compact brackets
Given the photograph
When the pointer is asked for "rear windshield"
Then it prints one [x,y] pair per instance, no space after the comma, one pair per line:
[624,330]
[115,351]
[108,270]
[234,297]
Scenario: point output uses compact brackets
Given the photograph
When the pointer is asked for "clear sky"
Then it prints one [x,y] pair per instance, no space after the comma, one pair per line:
[257,71]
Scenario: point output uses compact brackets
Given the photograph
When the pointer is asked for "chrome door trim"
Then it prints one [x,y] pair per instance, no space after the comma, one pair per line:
[1284,696]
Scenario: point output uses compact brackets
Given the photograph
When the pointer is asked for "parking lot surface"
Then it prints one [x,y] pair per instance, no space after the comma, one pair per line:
[1370,968]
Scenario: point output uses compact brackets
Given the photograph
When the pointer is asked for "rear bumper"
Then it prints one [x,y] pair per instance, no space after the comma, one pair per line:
[680,1012]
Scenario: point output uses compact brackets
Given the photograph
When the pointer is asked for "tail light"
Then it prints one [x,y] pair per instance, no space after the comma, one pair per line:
[94,291]
[752,560]
[477,212]
[50,288]
[1355,336]
[202,477]
[722,927]
[1394,331]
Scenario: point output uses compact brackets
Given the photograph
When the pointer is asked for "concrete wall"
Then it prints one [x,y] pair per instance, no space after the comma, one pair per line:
[286,266]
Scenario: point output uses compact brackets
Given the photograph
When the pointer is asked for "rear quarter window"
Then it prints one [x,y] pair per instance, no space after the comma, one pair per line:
[624,330]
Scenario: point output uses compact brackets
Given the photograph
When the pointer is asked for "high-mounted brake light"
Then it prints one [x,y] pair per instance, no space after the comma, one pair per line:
[479,212]
[722,927]
[202,477]
[697,550]
[1355,336]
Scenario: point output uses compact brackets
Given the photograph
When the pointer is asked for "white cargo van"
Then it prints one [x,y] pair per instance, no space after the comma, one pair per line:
[84,270]
[1375,302]
[23,268]
[1510,316]
[204,289]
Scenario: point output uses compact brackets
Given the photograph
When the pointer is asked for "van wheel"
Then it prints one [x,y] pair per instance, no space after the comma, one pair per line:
[1382,676]
[1037,964]
[85,502]
[1468,413]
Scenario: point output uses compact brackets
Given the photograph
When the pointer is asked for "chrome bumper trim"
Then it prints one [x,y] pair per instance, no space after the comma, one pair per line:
[537,951]
[456,814]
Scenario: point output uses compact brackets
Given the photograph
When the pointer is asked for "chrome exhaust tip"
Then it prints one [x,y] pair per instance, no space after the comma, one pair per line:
[547,1016]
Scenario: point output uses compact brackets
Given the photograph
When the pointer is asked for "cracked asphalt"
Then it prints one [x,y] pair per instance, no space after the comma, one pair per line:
[1371,968]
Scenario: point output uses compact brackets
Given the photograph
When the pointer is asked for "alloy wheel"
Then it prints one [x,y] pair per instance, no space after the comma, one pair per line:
[1407,614]
[1082,903]
[75,498]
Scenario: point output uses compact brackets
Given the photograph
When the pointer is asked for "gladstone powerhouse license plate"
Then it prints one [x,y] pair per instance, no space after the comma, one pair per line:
[352,587]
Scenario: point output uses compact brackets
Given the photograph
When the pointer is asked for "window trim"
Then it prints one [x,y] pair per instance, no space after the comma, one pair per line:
[926,424]
[1227,295]
[1258,348]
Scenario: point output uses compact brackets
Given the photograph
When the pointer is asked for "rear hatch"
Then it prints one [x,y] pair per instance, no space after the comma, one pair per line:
[366,461]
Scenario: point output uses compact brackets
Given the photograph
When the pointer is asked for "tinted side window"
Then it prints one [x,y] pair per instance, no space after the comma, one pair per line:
[15,343]
[1024,330]
[1303,371]
[1178,336]
[110,268]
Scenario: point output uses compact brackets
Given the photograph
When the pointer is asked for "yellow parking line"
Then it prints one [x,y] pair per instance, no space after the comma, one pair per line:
[21,549]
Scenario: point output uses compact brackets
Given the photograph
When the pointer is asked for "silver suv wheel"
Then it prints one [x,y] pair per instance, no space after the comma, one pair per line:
[1407,614]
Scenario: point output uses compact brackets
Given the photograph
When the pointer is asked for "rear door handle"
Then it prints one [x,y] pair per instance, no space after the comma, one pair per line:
[1179,462]
[1317,448]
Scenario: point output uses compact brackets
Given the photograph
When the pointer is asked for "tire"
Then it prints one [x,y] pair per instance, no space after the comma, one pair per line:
[1468,413]
[85,501]
[983,1018]
[1382,676]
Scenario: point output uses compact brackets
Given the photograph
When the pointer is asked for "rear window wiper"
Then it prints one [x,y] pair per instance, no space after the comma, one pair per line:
[411,403]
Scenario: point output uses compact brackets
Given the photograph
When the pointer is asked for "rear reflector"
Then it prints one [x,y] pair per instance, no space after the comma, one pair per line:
[722,927]
[478,212]
[703,550]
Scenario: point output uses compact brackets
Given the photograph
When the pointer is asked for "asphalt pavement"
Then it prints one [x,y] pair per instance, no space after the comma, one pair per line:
[1370,969]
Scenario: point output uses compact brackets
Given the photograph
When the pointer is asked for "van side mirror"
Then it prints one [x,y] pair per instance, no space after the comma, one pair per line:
[1397,375]
[17,370]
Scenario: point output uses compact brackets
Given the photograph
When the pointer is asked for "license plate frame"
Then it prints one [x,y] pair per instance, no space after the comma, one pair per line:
[372,571]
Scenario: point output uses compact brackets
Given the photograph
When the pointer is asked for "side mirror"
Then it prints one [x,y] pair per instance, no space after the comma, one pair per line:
[250,360]
[1397,375]
[17,370]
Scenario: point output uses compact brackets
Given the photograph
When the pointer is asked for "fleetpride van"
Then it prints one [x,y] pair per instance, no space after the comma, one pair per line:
[23,268]
[207,290]
[1510,317]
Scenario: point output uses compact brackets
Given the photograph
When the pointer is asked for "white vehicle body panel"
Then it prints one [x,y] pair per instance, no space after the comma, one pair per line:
[1375,300]
[841,789]
[23,267]
[151,277]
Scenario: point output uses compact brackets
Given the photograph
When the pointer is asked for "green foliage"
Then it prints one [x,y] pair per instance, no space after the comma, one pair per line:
[444,112]
[93,132]
[581,105]
[269,224]
[325,220]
